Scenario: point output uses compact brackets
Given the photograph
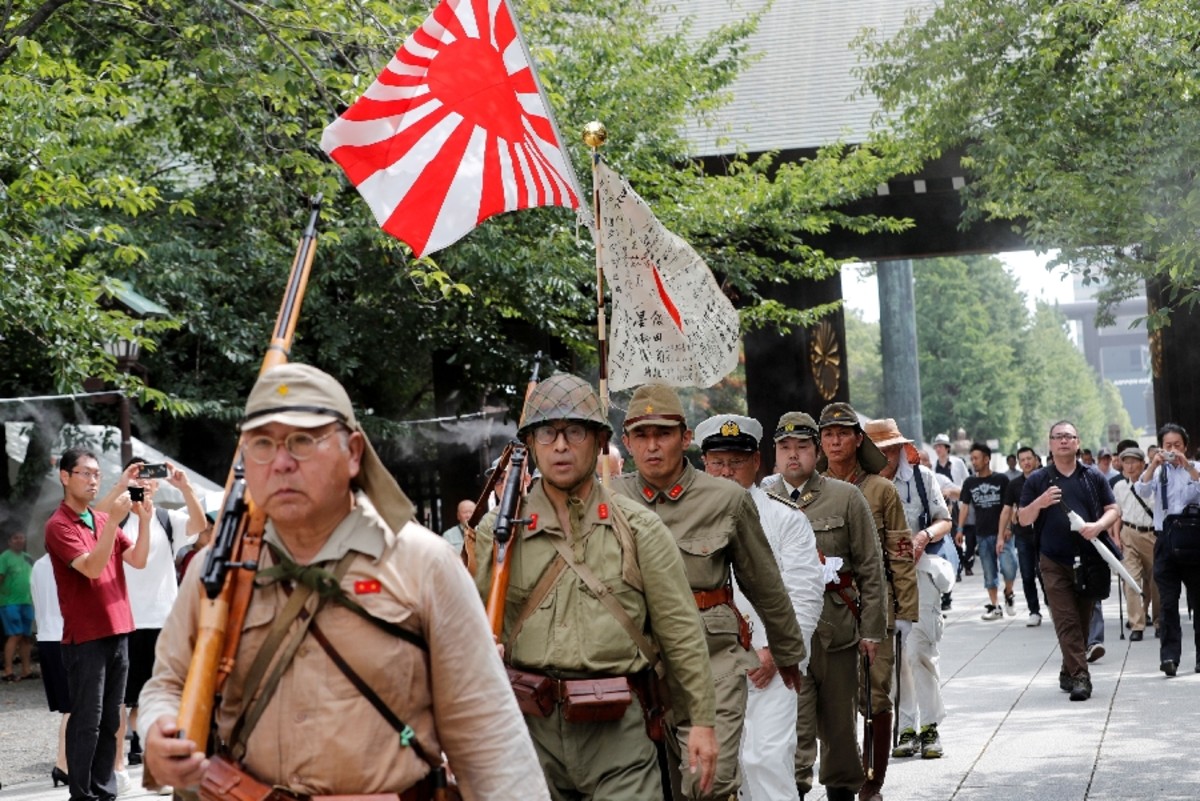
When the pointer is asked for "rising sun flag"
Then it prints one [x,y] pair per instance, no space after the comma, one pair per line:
[453,131]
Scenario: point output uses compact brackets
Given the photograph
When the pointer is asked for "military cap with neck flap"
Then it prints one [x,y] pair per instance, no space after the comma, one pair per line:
[302,396]
[843,414]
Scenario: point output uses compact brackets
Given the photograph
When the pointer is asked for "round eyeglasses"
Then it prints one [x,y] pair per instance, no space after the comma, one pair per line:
[548,435]
[301,445]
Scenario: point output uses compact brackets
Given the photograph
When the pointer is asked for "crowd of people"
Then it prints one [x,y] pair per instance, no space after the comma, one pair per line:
[681,630]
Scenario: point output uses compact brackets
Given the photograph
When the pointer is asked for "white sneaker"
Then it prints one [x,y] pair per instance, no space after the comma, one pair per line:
[1095,651]
[1034,620]
[166,789]
[1010,606]
[992,612]
[124,785]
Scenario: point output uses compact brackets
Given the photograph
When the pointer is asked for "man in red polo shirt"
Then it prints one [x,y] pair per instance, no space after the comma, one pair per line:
[86,548]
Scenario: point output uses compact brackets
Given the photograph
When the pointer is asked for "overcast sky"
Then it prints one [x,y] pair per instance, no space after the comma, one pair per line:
[1028,268]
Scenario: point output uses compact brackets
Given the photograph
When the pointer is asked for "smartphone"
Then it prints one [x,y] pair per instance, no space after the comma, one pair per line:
[153,471]
[137,494]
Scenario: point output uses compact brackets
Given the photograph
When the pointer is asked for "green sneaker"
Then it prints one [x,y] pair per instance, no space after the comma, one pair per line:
[931,744]
[908,744]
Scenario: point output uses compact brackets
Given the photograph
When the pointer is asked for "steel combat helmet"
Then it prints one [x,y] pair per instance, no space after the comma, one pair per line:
[563,396]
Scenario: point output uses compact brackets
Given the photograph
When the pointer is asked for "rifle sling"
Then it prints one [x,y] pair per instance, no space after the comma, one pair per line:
[292,610]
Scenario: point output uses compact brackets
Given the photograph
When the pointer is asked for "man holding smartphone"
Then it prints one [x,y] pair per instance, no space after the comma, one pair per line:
[152,591]
[1171,482]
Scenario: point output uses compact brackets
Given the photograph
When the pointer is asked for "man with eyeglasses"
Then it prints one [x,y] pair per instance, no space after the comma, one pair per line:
[853,617]
[87,548]
[729,444]
[597,592]
[379,654]
[1051,493]
[715,524]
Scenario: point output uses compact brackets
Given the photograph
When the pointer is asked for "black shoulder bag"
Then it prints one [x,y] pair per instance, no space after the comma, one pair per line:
[1182,530]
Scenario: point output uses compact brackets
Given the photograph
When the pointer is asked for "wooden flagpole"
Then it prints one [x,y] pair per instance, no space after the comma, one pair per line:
[594,136]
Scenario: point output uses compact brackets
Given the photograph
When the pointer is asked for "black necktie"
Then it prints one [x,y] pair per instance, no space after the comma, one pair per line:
[795,494]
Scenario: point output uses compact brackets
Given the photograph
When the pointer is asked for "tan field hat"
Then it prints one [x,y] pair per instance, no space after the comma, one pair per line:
[885,433]
[729,432]
[798,425]
[654,405]
[303,396]
[1132,453]
[843,414]
[942,439]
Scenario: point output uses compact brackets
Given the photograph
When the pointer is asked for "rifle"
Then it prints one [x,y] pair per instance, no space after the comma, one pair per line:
[228,574]
[507,516]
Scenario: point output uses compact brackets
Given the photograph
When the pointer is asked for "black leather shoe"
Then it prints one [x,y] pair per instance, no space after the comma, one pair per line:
[1168,666]
[1081,689]
[1135,636]
[58,775]
[1064,681]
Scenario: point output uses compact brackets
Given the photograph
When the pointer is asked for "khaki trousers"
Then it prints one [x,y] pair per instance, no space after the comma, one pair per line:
[581,761]
[825,711]
[1139,560]
[731,694]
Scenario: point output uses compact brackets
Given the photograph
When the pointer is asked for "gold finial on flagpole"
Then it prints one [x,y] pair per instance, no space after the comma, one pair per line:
[595,134]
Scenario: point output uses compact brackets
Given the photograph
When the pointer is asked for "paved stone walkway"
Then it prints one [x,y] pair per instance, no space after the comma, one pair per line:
[1010,734]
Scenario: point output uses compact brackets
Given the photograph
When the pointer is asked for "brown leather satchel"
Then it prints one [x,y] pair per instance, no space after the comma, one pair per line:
[654,694]
[536,694]
[595,700]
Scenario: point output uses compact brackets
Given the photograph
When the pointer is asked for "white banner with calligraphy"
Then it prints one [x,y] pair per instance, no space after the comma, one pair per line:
[671,322]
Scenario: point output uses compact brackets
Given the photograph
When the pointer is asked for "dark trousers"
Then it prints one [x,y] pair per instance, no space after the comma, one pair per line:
[96,672]
[968,551]
[1170,575]
[1027,558]
[1072,613]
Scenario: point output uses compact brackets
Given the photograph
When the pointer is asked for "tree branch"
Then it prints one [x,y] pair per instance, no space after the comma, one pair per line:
[271,34]
[34,21]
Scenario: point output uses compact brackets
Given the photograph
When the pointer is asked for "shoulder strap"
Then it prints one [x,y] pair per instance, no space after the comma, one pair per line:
[605,596]
[164,520]
[546,582]
[920,481]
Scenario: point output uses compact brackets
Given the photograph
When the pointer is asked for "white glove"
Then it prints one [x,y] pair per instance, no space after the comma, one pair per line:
[905,628]
[830,569]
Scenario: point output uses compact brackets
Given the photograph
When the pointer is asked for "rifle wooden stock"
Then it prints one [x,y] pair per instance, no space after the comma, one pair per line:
[224,612]
[504,536]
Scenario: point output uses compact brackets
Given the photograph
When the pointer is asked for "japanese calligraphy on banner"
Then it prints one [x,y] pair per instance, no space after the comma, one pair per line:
[670,320]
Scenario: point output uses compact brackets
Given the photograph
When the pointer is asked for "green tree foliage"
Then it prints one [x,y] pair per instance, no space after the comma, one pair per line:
[1077,117]
[174,144]
[970,322]
[865,365]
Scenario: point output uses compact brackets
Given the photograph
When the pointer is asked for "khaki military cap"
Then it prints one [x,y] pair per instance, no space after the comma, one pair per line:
[796,424]
[654,405]
[843,414]
[302,396]
[729,432]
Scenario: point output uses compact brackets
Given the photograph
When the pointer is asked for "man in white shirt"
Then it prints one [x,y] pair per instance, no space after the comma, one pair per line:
[1137,537]
[152,591]
[730,444]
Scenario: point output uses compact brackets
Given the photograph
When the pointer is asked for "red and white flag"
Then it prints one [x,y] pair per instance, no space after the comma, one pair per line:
[670,320]
[453,131]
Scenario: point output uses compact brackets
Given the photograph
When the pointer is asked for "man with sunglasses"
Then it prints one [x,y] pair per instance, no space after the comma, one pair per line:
[583,549]
[365,653]
[87,548]
[717,528]
[729,444]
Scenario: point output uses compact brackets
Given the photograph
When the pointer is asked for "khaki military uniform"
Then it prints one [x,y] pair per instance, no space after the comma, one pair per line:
[826,703]
[903,596]
[716,527]
[318,734]
[572,635]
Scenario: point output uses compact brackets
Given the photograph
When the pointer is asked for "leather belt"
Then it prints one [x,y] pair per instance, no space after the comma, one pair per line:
[1143,529]
[707,599]
[844,580]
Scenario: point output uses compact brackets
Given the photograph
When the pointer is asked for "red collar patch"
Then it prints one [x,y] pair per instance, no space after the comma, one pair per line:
[676,491]
[368,587]
[602,510]
[648,493]
[532,522]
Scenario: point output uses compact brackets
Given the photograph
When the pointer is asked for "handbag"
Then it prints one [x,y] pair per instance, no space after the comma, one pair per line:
[1182,533]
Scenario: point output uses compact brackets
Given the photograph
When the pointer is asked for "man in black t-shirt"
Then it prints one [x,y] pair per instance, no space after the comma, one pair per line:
[984,492]
[1028,461]
[1048,495]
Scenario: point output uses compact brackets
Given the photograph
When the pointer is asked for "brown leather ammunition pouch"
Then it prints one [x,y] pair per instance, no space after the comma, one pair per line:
[536,694]
[595,700]
[225,781]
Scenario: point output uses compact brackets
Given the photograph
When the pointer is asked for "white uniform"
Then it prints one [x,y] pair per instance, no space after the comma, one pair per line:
[769,732]
[920,681]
